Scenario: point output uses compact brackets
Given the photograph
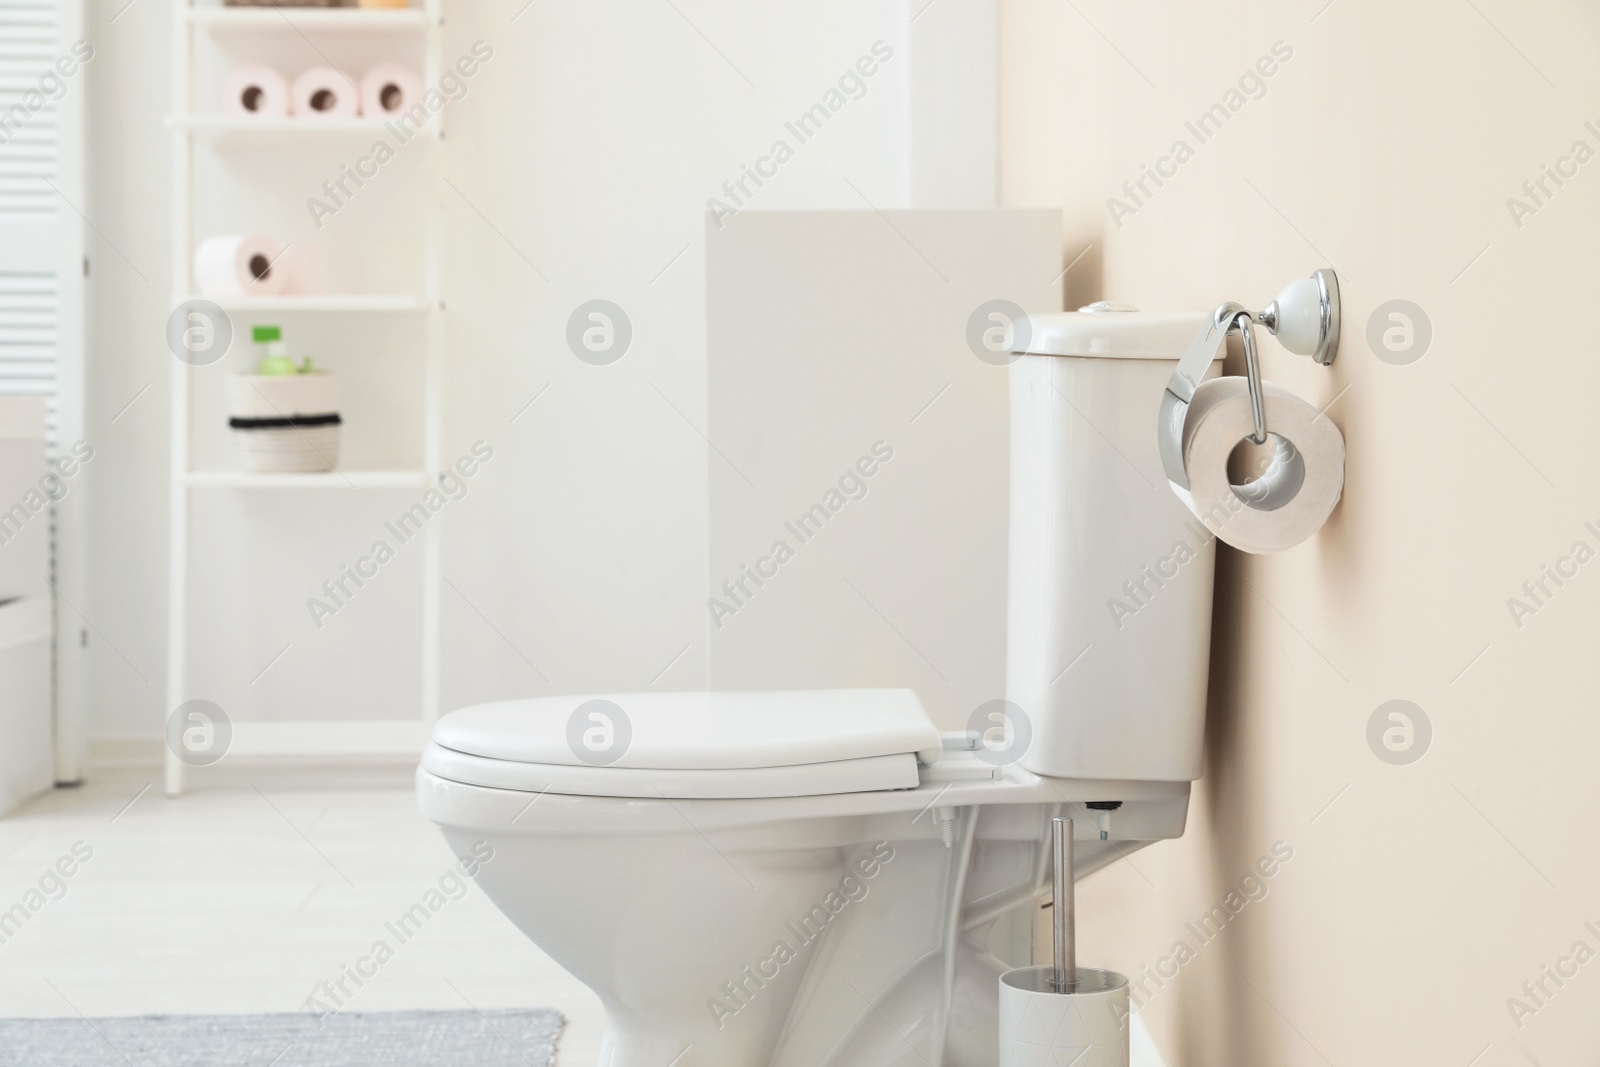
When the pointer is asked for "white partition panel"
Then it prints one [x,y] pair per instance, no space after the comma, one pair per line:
[852,424]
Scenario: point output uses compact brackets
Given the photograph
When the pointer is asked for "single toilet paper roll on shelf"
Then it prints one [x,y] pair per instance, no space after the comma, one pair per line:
[304,265]
[255,91]
[1086,1027]
[390,89]
[322,92]
[238,264]
[1300,485]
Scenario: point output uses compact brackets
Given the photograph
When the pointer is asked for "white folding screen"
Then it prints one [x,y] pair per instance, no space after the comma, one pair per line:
[42,267]
[30,139]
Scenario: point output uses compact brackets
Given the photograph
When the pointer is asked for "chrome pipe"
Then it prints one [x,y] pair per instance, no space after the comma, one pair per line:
[1064,977]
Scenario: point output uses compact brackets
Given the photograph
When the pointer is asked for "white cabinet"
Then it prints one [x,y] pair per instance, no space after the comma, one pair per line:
[27,495]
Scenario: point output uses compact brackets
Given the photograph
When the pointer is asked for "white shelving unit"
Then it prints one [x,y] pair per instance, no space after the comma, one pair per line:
[188,126]
[309,20]
[218,127]
[322,480]
[368,302]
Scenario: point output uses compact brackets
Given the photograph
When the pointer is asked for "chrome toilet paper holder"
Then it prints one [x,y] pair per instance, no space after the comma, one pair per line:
[1304,317]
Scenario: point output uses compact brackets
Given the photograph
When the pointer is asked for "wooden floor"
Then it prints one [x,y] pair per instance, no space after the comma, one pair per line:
[244,895]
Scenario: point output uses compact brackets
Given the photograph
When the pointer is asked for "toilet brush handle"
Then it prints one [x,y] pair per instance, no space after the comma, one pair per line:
[1064,910]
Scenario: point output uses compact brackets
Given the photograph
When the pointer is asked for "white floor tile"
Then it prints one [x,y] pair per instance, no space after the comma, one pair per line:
[245,893]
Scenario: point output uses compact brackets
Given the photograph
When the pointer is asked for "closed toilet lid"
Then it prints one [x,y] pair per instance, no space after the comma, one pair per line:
[747,744]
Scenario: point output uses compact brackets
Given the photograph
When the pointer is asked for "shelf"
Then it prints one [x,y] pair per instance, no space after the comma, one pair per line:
[401,479]
[309,19]
[337,302]
[219,126]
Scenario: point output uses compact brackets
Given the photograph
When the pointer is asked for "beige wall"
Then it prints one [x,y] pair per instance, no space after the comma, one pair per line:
[1419,898]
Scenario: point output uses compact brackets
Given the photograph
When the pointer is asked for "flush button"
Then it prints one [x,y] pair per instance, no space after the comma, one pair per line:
[1101,307]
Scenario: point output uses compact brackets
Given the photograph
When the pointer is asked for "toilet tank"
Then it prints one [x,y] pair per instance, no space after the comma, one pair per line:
[1109,612]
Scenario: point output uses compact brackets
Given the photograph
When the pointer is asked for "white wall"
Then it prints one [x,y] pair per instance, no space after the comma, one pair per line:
[580,163]
[594,156]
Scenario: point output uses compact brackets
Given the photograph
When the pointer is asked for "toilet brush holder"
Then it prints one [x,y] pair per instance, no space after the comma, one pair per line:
[1086,1026]
[1063,1013]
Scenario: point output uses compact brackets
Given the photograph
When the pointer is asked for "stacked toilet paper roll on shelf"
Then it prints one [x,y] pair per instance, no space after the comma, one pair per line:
[1297,488]
[256,91]
[324,92]
[390,89]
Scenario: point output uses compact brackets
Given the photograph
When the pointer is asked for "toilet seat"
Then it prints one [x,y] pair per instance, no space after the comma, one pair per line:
[800,780]
[690,745]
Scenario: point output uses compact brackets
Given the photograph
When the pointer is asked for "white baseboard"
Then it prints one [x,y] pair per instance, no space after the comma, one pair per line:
[117,751]
[121,750]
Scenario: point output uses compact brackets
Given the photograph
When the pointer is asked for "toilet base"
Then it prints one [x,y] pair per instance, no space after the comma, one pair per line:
[787,933]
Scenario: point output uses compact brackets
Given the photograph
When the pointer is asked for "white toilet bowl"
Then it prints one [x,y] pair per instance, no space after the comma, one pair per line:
[814,879]
[722,924]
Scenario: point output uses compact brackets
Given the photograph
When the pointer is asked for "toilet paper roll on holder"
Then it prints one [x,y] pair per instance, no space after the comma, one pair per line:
[1304,318]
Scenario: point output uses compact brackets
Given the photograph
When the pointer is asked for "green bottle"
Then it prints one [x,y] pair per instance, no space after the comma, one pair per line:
[274,355]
